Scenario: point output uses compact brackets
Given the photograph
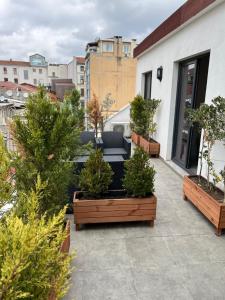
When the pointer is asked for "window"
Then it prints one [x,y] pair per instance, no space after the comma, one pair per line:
[53,74]
[35,81]
[5,79]
[34,70]
[25,74]
[126,49]
[15,80]
[15,71]
[81,79]
[148,85]
[5,70]
[107,47]
[82,92]
[40,71]
[82,68]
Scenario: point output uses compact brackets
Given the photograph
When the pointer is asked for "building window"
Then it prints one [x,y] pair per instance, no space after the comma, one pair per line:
[15,71]
[5,79]
[40,71]
[82,68]
[82,92]
[25,74]
[5,70]
[53,74]
[35,81]
[126,49]
[107,47]
[15,80]
[148,85]
[81,79]
[34,70]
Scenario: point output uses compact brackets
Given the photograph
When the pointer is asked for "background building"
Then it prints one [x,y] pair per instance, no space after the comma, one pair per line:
[110,71]
[34,71]
[57,71]
[76,71]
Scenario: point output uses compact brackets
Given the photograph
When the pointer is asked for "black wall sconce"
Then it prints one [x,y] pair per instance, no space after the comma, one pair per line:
[160,73]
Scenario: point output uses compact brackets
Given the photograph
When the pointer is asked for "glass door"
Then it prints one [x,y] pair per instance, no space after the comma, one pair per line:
[186,91]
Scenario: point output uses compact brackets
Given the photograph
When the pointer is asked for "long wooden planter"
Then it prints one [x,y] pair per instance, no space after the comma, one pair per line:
[135,138]
[113,210]
[152,147]
[211,208]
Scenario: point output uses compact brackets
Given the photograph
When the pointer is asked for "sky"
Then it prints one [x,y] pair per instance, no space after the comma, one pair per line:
[60,29]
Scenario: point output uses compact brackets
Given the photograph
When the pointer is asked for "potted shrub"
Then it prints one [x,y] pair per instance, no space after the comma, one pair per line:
[138,119]
[203,192]
[143,124]
[135,203]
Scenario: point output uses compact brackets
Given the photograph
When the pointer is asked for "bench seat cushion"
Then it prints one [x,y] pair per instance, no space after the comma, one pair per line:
[114,151]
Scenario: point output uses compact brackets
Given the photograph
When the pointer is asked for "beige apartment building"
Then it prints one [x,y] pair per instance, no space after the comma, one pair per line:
[110,71]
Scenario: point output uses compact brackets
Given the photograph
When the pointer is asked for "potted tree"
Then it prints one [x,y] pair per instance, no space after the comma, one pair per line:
[99,205]
[138,119]
[143,125]
[146,141]
[203,192]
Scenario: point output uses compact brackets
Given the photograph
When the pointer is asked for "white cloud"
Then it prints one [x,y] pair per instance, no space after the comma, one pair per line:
[60,29]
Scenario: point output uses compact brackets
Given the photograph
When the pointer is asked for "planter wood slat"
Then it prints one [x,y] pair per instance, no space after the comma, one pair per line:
[114,210]
[152,148]
[115,207]
[135,138]
[210,207]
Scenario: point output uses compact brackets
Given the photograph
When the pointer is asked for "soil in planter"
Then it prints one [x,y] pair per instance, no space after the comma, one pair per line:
[216,193]
[112,194]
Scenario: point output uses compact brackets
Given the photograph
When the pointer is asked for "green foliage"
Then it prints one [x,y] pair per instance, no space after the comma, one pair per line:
[96,175]
[31,262]
[142,115]
[6,188]
[138,115]
[46,138]
[72,100]
[139,175]
[211,119]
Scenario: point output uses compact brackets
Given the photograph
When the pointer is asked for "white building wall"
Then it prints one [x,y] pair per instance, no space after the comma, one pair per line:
[72,70]
[42,78]
[204,33]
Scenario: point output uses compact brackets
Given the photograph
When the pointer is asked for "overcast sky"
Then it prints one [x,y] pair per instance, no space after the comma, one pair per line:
[60,29]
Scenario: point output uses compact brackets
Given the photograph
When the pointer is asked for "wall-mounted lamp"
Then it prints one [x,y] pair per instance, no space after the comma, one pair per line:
[160,73]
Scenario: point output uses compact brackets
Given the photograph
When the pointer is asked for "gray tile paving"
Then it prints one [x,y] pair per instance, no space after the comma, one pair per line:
[180,258]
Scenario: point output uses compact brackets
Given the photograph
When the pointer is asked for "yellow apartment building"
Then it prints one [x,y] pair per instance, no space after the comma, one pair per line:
[110,71]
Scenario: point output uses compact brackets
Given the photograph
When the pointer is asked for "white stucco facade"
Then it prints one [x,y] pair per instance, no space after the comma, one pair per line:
[203,33]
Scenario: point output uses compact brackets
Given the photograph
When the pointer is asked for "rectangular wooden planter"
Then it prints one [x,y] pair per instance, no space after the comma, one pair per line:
[135,138]
[152,147]
[209,207]
[113,210]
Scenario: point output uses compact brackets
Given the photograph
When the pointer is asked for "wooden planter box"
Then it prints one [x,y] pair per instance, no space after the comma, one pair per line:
[150,147]
[135,138]
[210,207]
[113,210]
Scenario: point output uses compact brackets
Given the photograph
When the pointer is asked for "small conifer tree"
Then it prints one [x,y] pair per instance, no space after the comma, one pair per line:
[96,175]
[139,175]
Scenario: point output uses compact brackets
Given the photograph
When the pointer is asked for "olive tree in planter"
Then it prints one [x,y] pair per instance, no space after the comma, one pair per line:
[202,192]
[137,203]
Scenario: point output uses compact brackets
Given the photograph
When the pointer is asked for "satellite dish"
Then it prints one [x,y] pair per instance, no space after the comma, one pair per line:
[25,95]
[2,99]
[9,93]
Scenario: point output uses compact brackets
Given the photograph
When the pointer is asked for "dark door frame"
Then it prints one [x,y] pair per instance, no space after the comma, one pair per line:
[177,108]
